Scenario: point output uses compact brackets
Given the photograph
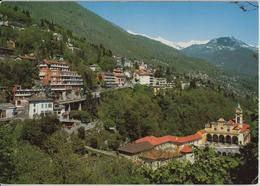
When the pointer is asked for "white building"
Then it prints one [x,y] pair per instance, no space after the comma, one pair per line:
[185,85]
[7,111]
[161,82]
[94,67]
[128,63]
[144,78]
[128,74]
[40,107]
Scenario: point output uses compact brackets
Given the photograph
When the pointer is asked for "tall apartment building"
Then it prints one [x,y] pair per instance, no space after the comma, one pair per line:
[108,78]
[21,95]
[119,77]
[59,77]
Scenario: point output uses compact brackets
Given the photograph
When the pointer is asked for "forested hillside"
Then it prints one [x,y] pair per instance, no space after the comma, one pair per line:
[137,113]
[45,40]
[96,30]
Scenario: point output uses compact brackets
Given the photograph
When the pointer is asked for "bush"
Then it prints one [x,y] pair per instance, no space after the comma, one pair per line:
[94,143]
[83,116]
[113,144]
[81,132]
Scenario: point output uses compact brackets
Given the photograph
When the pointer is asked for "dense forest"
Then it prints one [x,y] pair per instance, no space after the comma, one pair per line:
[138,112]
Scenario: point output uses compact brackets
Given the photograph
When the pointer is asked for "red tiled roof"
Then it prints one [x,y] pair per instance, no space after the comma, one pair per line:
[151,139]
[235,125]
[186,149]
[242,129]
[203,131]
[46,61]
[190,138]
[172,139]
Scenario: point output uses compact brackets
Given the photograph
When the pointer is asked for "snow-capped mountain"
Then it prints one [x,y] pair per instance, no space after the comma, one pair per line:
[229,43]
[224,52]
[185,44]
[228,53]
[176,45]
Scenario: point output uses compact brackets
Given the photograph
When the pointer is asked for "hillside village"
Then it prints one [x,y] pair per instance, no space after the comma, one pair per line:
[65,83]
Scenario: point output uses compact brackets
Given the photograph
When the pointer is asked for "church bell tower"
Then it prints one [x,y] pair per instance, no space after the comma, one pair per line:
[239,115]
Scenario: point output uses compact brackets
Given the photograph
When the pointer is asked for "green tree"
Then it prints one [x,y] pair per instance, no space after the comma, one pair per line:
[6,149]
[36,131]
[68,167]
[81,132]
[208,168]
[94,143]
[31,165]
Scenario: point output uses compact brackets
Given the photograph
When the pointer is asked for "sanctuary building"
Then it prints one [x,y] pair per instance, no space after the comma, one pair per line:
[158,151]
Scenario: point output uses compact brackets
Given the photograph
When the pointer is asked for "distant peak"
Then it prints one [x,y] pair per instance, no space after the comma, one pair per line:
[177,45]
[228,41]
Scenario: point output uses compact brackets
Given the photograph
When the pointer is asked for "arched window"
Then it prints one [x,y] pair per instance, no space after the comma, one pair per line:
[221,139]
[215,138]
[228,139]
[209,138]
[235,140]
[238,119]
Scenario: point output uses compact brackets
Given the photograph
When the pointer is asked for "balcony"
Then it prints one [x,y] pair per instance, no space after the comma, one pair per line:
[42,74]
[74,84]
[73,80]
[59,66]
[25,94]
[42,65]
[225,132]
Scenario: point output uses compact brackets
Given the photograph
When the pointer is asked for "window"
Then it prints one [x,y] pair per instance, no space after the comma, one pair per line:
[42,105]
[215,128]
[228,130]
[34,105]
[34,110]
[50,105]
[221,128]
[45,105]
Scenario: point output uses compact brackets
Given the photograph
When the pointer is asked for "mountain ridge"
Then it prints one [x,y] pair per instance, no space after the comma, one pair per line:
[227,53]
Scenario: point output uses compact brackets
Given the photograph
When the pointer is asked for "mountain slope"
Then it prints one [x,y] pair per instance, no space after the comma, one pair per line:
[99,31]
[227,53]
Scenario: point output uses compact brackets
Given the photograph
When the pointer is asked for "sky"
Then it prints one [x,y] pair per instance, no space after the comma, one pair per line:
[181,21]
